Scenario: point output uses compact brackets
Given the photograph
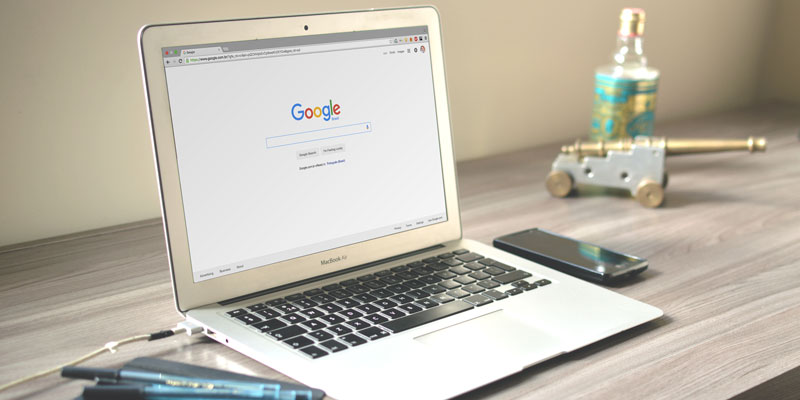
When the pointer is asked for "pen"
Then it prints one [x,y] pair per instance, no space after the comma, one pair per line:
[127,376]
[158,392]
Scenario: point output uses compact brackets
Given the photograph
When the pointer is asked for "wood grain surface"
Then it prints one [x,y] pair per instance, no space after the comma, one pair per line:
[724,255]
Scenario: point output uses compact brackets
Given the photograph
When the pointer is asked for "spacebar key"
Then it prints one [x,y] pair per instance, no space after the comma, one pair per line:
[433,314]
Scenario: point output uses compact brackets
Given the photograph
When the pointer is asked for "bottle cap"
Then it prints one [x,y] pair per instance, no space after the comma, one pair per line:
[631,22]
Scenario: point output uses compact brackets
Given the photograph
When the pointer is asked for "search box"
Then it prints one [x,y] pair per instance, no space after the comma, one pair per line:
[318,134]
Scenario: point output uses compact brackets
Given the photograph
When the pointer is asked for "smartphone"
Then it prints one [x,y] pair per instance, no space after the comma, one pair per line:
[583,260]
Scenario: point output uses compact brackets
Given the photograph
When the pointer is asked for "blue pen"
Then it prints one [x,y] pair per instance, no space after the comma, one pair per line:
[165,392]
[127,376]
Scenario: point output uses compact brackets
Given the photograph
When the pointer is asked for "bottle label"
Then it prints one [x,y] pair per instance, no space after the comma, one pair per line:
[623,107]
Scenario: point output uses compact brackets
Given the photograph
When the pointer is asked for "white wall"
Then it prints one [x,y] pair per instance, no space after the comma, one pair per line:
[75,148]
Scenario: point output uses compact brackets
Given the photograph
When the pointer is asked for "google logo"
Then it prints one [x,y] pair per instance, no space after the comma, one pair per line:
[325,112]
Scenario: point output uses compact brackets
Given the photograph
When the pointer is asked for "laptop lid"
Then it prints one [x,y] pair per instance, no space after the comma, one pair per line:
[293,147]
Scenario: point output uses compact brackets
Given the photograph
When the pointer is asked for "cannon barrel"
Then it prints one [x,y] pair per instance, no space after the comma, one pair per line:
[670,146]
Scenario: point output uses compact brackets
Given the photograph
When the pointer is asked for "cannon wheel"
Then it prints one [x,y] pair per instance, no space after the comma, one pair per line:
[649,193]
[559,183]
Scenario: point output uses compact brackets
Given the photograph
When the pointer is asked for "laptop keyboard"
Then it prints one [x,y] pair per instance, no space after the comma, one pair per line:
[347,314]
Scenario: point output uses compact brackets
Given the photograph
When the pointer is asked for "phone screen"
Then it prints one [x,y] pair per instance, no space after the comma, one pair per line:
[571,251]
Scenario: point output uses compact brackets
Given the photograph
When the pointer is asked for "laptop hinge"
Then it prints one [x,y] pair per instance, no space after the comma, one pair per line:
[328,275]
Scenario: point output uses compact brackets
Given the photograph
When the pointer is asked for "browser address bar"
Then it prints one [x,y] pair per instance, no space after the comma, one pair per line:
[276,52]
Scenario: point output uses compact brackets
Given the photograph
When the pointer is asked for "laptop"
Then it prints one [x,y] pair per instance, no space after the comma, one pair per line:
[308,192]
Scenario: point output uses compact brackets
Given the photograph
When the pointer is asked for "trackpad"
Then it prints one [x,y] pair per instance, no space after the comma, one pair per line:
[495,336]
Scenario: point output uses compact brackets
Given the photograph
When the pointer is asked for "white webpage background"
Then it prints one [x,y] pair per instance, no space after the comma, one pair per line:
[243,201]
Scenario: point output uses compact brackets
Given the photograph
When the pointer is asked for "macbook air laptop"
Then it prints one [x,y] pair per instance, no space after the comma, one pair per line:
[308,191]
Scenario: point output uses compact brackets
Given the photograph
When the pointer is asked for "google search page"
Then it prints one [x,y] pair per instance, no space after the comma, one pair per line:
[288,155]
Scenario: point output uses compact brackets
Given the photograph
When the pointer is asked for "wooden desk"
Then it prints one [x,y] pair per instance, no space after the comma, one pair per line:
[724,255]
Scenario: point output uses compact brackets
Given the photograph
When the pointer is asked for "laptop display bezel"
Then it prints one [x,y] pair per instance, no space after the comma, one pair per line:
[190,294]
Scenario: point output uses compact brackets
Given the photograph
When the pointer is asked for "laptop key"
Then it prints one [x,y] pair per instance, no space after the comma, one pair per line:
[237,312]
[374,333]
[422,271]
[511,276]
[488,284]
[431,260]
[514,291]
[340,293]
[469,257]
[333,345]
[332,286]
[365,298]
[417,294]
[479,275]
[348,303]
[495,294]
[374,284]
[381,293]
[306,303]
[357,324]
[439,266]
[385,303]
[376,318]
[502,266]
[445,275]
[487,261]
[293,318]
[314,352]
[399,268]
[313,324]
[402,298]
[460,252]
[424,317]
[287,308]
[478,300]
[416,264]
[294,297]
[249,319]
[441,298]
[332,319]
[410,308]
[446,255]
[543,282]
[321,335]
[368,308]
[434,289]
[494,270]
[464,280]
[473,288]
[287,332]
[351,314]
[348,282]
[407,275]
[429,279]
[358,289]
[391,280]
[427,303]
[339,329]
[393,313]
[451,262]
[331,308]
[313,292]
[270,325]
[398,288]
[275,302]
[365,278]
[381,274]
[414,284]
[475,266]
[268,313]
[457,293]
[298,342]
[353,340]
[459,270]
[323,298]
[256,307]
[449,284]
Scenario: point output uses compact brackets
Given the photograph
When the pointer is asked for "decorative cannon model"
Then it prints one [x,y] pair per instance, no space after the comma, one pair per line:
[634,164]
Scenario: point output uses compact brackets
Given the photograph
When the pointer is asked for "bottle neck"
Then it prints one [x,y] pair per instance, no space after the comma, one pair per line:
[629,51]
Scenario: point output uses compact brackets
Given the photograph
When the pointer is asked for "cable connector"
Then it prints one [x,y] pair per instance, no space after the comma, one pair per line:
[188,327]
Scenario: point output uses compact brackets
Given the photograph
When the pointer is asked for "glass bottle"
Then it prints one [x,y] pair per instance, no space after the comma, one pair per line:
[625,91]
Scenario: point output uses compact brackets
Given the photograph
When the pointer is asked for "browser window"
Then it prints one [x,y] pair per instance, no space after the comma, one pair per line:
[288,147]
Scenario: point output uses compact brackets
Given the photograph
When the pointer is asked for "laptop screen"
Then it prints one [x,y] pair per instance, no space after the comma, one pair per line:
[293,146]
